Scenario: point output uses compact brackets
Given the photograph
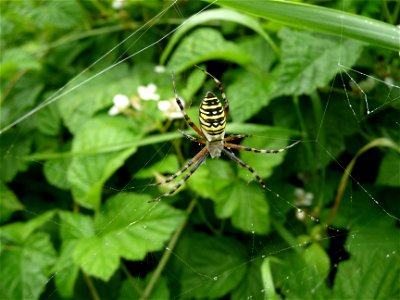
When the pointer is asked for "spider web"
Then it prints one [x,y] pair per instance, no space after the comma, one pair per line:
[255,254]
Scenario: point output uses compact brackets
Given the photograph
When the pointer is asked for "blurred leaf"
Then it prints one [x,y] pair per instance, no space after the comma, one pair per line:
[66,271]
[54,171]
[20,100]
[214,15]
[215,269]
[16,60]
[251,286]
[88,173]
[389,174]
[57,14]
[129,292]
[310,61]
[127,227]
[202,45]
[169,165]
[19,232]
[297,279]
[25,268]
[48,120]
[316,257]
[9,203]
[268,280]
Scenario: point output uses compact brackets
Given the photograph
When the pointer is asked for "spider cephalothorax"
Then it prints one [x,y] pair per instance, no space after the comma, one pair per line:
[212,118]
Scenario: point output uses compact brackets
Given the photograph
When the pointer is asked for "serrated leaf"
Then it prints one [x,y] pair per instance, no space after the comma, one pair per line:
[214,268]
[202,45]
[88,173]
[25,268]
[9,203]
[79,104]
[245,102]
[310,61]
[245,204]
[127,226]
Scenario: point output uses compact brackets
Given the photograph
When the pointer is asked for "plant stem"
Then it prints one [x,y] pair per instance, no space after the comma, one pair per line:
[92,288]
[167,254]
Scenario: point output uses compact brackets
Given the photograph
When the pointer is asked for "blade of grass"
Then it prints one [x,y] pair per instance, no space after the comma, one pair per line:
[321,19]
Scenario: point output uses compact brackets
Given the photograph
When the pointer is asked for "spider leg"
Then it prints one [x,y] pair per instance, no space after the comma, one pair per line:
[187,176]
[246,166]
[245,148]
[221,90]
[185,115]
[184,168]
[235,137]
[192,138]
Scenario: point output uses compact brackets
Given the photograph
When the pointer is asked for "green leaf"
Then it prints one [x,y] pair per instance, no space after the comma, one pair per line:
[267,280]
[202,45]
[247,207]
[316,257]
[310,61]
[25,268]
[48,120]
[54,171]
[78,105]
[97,257]
[251,286]
[9,203]
[214,15]
[169,164]
[296,279]
[264,163]
[58,14]
[321,19]
[215,269]
[13,148]
[389,174]
[127,226]
[67,270]
[245,204]
[371,272]
[129,292]
[19,232]
[88,173]
[246,102]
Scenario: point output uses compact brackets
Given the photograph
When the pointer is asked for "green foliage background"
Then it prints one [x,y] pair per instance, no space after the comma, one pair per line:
[76,221]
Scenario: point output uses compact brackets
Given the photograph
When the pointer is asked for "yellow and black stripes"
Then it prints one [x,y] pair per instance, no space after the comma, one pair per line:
[212,115]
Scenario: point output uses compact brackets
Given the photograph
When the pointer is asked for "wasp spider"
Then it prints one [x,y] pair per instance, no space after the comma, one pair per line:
[212,117]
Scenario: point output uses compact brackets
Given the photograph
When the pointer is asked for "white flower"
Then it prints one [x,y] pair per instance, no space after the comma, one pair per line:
[159,69]
[118,4]
[148,92]
[303,198]
[121,103]
[170,108]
